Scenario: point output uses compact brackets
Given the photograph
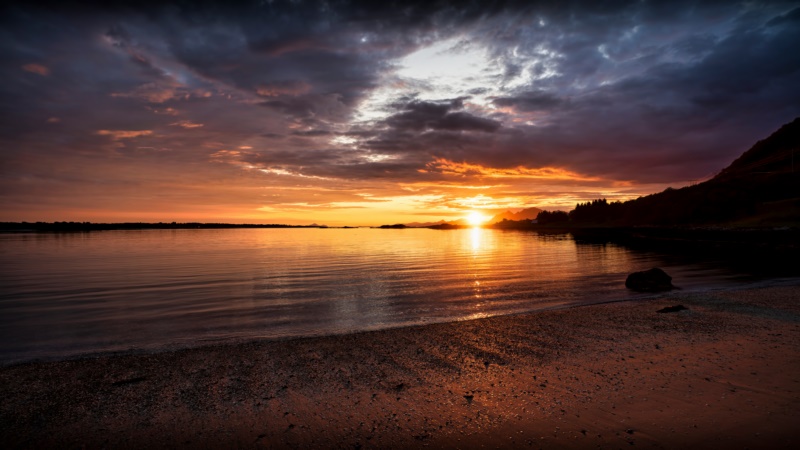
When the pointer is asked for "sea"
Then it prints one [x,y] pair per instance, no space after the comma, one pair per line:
[67,295]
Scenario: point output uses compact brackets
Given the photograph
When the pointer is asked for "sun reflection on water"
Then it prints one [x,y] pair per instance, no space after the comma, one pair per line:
[476,237]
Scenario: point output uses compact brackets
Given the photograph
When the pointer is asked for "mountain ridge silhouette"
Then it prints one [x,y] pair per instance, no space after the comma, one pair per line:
[760,188]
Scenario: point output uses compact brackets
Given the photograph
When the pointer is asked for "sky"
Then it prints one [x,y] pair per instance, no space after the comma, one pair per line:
[368,113]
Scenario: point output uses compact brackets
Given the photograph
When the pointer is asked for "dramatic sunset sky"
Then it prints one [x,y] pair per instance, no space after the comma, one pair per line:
[361,113]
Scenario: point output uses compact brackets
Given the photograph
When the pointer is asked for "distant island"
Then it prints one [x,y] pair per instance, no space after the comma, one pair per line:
[90,226]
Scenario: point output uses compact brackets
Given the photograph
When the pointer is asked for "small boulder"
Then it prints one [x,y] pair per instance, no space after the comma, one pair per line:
[653,280]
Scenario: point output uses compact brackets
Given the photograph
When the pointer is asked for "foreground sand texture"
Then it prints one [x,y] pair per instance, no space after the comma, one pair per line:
[723,374]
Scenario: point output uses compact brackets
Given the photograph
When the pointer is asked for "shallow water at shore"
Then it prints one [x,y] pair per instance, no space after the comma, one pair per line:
[720,373]
[71,294]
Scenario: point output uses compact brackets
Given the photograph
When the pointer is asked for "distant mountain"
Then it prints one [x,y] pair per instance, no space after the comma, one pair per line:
[459,222]
[761,188]
[525,214]
[424,224]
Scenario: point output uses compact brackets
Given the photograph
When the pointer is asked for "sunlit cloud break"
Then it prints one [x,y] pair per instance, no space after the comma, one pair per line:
[124,134]
[37,69]
[463,169]
[187,124]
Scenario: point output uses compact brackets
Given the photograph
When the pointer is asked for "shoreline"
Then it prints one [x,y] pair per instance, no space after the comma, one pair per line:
[725,371]
[678,292]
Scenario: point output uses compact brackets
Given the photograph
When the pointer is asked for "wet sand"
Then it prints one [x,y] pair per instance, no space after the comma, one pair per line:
[725,374]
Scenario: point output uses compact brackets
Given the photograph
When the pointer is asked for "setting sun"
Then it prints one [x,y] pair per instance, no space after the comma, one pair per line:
[476,219]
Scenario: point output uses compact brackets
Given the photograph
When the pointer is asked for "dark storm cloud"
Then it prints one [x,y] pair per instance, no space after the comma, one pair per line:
[421,116]
[790,18]
[530,101]
[630,95]
[333,164]
[461,121]
[330,48]
[312,133]
[655,92]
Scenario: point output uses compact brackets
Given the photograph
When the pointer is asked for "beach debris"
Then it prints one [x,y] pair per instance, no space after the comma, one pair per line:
[672,309]
[653,280]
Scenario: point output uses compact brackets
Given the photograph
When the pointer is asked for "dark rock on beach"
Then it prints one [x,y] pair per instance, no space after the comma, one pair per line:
[653,280]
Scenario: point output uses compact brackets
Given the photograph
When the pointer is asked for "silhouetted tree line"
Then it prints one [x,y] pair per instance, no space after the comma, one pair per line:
[759,197]
[597,211]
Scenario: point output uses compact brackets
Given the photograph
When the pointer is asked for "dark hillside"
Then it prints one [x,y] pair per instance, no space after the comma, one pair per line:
[776,154]
[760,188]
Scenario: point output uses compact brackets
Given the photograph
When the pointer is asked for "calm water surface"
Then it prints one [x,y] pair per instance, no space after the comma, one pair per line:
[70,294]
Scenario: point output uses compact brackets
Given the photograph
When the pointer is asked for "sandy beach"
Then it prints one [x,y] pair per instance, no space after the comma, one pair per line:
[723,373]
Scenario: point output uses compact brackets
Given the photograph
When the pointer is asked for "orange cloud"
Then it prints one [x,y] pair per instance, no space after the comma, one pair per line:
[36,68]
[413,187]
[154,92]
[123,134]
[280,88]
[165,111]
[225,155]
[187,124]
[465,169]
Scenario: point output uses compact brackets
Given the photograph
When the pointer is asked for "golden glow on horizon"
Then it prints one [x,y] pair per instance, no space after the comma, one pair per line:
[329,204]
[294,197]
[475,219]
[264,194]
